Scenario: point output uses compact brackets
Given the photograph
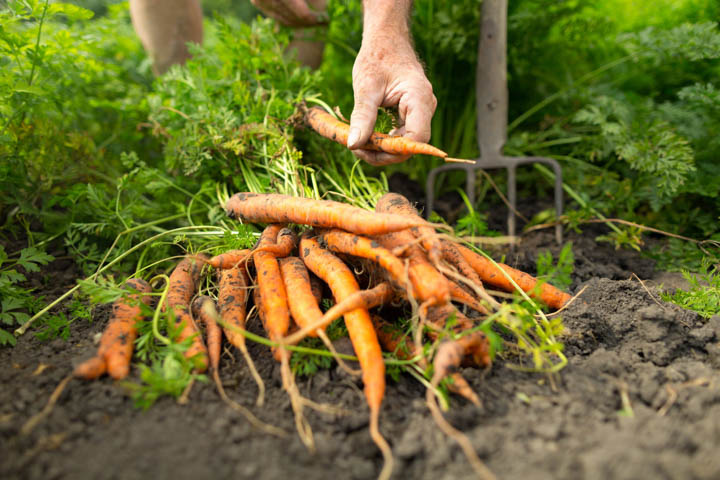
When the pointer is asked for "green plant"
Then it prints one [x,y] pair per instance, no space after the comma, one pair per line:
[559,274]
[18,302]
[703,296]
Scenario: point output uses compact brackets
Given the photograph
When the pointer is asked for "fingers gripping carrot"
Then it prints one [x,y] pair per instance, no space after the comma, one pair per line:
[329,127]
[184,281]
[276,208]
[116,344]
[492,275]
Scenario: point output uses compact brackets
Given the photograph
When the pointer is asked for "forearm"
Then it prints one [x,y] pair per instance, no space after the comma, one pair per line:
[383,18]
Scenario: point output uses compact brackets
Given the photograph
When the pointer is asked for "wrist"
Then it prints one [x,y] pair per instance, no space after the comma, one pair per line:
[386,20]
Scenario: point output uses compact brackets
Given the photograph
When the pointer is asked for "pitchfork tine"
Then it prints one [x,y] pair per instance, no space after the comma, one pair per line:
[492,107]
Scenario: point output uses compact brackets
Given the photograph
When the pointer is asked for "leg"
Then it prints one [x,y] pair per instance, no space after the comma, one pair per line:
[165,27]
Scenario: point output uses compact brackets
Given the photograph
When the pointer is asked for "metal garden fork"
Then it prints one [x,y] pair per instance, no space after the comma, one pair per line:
[492,117]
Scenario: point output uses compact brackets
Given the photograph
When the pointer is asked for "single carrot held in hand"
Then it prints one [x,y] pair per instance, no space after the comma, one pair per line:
[332,128]
[277,208]
[116,345]
[184,281]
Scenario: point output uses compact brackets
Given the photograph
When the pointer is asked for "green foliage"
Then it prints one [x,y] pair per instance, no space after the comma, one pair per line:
[58,326]
[18,301]
[168,375]
[558,274]
[703,296]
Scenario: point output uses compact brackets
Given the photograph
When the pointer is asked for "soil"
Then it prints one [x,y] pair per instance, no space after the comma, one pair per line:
[639,398]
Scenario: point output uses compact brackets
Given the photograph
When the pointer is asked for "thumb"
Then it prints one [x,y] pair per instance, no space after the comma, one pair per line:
[364,114]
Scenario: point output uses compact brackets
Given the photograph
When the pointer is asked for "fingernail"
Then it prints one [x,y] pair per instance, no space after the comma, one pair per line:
[353,137]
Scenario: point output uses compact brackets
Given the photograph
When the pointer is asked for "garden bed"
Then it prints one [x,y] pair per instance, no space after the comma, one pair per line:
[640,398]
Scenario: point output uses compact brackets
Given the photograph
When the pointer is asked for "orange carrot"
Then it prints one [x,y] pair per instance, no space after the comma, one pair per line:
[184,281]
[362,334]
[230,259]
[438,315]
[367,299]
[284,244]
[116,345]
[329,127]
[233,295]
[303,305]
[452,255]
[430,286]
[276,208]
[203,308]
[460,295]
[393,340]
[363,247]
[490,274]
[273,304]
[396,203]
[317,287]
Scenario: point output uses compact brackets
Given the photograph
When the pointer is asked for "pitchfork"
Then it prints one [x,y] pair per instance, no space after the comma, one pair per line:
[492,116]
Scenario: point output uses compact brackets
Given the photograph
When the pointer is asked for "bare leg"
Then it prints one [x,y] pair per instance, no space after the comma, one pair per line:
[165,27]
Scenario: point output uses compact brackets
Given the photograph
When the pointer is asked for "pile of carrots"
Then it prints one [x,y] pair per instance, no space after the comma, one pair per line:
[311,249]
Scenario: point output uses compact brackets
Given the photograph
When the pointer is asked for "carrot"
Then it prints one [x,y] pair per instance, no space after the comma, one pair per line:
[284,244]
[233,294]
[451,254]
[202,307]
[304,308]
[367,299]
[395,341]
[490,274]
[449,355]
[232,302]
[430,286]
[460,295]
[116,345]
[303,305]
[329,127]
[362,333]
[184,282]
[277,208]
[317,287]
[363,247]
[273,304]
[230,259]
[396,203]
[438,315]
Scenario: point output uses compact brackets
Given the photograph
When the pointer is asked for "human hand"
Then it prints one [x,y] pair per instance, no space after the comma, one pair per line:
[387,73]
[295,13]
